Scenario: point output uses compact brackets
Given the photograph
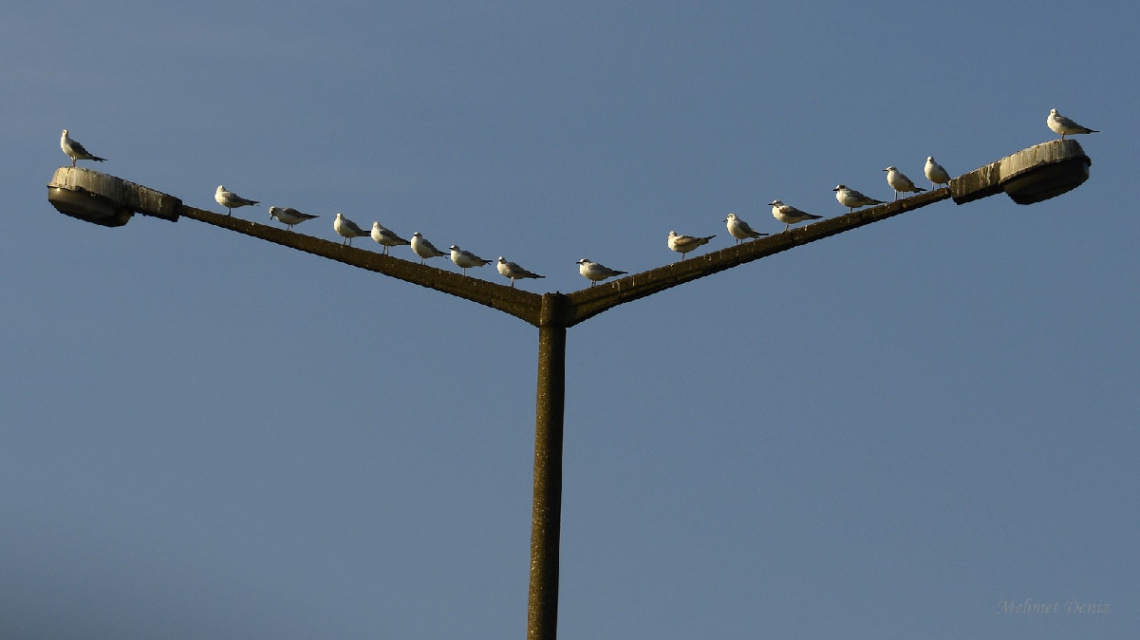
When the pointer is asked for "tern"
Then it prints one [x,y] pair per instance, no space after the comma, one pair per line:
[851,198]
[1058,123]
[790,215]
[289,216]
[740,229]
[465,259]
[684,244]
[231,200]
[75,150]
[423,248]
[386,237]
[935,173]
[347,229]
[514,272]
[899,182]
[595,272]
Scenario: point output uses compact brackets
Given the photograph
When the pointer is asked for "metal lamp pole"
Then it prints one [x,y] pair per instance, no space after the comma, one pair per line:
[1031,175]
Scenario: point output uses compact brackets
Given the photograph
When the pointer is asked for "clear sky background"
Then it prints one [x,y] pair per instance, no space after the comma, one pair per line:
[901,432]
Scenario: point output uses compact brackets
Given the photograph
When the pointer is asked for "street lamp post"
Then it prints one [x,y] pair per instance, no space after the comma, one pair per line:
[1031,175]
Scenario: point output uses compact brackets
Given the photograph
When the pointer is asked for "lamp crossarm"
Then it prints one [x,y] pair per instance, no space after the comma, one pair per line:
[587,303]
[516,302]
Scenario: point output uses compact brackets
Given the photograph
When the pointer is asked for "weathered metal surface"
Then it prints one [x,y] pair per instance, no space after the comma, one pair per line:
[979,183]
[1031,175]
[546,514]
[1044,171]
[105,199]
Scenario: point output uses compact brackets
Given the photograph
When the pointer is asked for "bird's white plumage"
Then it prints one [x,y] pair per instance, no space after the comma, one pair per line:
[900,183]
[683,244]
[386,237]
[74,150]
[465,259]
[1062,125]
[595,272]
[935,173]
[231,200]
[289,216]
[790,215]
[347,229]
[423,248]
[740,229]
[513,271]
[851,198]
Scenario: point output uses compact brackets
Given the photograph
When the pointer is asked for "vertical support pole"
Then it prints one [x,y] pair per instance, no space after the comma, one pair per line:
[546,518]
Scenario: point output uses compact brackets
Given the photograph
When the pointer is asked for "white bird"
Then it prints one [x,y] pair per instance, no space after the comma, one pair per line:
[514,272]
[935,173]
[684,244]
[289,216]
[76,150]
[740,229]
[347,229]
[465,259]
[851,198]
[1059,124]
[899,182]
[386,237]
[423,248]
[595,272]
[790,215]
[231,200]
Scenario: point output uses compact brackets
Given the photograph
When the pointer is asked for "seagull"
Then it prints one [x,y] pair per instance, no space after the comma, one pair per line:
[935,173]
[740,229]
[514,272]
[289,216]
[851,198]
[684,244]
[790,215]
[347,229]
[899,182]
[231,200]
[465,259]
[76,150]
[423,248]
[1057,122]
[595,272]
[386,237]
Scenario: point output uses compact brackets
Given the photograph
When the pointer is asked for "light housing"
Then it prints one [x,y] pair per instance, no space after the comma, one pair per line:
[1031,175]
[106,200]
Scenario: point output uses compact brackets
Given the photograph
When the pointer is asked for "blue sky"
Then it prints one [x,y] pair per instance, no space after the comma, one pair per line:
[893,433]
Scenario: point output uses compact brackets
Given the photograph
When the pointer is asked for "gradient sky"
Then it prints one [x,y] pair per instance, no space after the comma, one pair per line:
[902,432]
